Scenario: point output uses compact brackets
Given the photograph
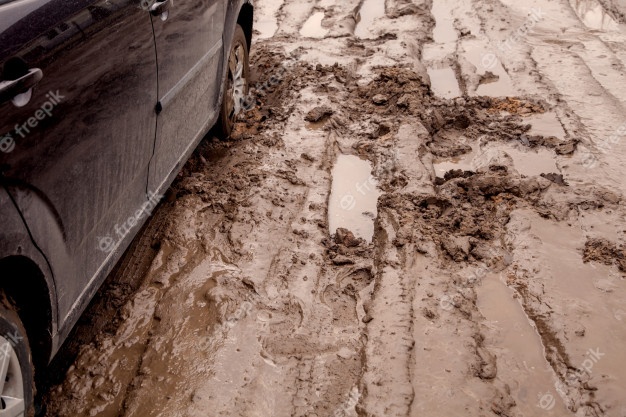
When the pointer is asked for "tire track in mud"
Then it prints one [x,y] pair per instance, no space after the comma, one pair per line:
[263,311]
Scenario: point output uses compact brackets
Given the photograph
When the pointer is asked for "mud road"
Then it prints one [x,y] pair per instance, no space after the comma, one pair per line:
[422,216]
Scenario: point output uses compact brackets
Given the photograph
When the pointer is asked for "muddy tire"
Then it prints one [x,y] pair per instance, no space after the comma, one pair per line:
[17,385]
[235,84]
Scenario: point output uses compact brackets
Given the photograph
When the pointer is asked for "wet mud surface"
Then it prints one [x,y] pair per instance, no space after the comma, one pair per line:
[423,215]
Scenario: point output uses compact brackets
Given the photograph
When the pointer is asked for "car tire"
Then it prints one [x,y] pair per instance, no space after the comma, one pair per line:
[18,390]
[236,84]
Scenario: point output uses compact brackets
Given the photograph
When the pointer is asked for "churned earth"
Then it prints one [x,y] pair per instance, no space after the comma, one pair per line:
[422,216]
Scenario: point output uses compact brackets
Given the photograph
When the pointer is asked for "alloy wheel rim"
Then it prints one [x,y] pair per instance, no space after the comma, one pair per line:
[237,82]
[12,402]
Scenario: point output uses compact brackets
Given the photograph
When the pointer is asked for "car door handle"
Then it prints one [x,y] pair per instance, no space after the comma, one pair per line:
[160,7]
[10,89]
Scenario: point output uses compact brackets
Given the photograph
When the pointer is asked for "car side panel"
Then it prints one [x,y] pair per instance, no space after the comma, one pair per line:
[15,241]
[189,49]
[79,172]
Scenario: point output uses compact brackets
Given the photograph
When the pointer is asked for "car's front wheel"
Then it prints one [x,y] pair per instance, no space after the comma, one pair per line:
[16,365]
[235,84]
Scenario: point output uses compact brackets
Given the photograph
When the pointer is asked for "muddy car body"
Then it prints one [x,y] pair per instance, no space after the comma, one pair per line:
[102,102]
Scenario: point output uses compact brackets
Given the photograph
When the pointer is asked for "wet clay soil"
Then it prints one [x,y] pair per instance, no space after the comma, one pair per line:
[412,222]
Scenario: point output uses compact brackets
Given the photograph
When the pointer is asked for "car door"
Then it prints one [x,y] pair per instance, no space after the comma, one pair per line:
[189,48]
[75,149]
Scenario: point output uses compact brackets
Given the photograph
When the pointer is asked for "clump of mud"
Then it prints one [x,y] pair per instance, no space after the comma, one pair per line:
[606,252]
[516,105]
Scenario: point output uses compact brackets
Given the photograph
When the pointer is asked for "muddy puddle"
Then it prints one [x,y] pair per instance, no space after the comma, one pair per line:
[591,294]
[444,83]
[247,308]
[532,162]
[515,342]
[529,162]
[545,124]
[369,11]
[353,197]
[444,34]
[493,80]
[444,31]
[466,162]
[593,15]
[312,28]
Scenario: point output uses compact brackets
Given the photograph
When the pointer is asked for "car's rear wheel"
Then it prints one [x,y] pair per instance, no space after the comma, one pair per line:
[235,84]
[16,365]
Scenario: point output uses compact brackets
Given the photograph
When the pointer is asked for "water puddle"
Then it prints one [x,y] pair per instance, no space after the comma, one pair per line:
[527,162]
[316,125]
[266,28]
[312,28]
[370,11]
[353,197]
[532,162]
[593,297]
[444,31]
[593,15]
[495,81]
[545,124]
[463,162]
[443,82]
[517,346]
[266,23]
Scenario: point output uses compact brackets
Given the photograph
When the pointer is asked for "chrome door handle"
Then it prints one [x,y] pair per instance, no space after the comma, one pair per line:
[160,7]
[10,89]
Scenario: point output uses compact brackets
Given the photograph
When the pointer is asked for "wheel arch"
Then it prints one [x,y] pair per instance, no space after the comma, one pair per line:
[24,271]
[246,21]
[26,287]
[239,12]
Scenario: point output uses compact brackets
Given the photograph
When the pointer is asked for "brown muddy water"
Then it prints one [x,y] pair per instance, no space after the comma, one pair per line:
[369,11]
[444,83]
[353,199]
[251,305]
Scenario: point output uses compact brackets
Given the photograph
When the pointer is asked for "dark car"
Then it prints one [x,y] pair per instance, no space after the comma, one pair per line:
[101,103]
